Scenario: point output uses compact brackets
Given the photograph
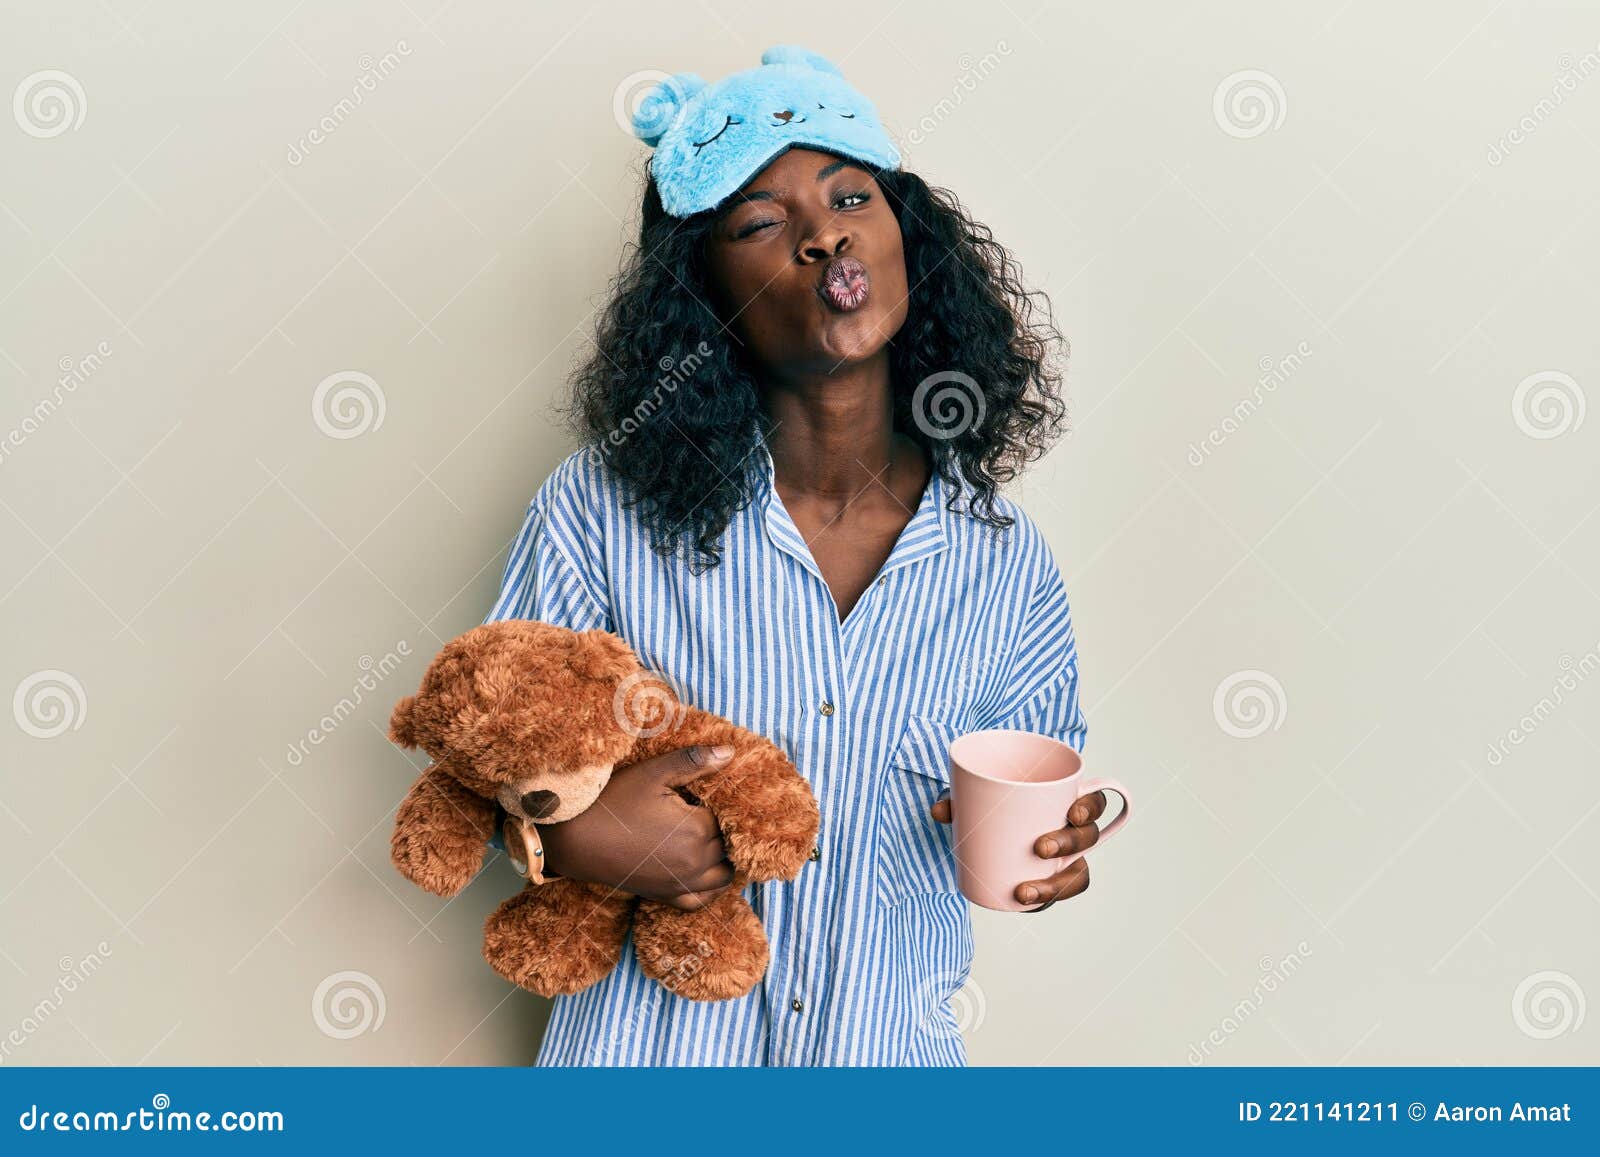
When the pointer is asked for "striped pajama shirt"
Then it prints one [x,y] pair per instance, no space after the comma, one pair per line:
[965,627]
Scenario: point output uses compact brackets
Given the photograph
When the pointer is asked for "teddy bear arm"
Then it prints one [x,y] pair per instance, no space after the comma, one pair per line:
[441,833]
[766,811]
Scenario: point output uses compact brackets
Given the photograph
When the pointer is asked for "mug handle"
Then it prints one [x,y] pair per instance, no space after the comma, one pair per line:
[1088,788]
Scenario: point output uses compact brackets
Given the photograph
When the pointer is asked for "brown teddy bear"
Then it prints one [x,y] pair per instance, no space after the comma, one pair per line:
[533,718]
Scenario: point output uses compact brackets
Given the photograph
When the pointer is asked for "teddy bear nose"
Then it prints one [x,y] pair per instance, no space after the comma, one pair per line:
[538,804]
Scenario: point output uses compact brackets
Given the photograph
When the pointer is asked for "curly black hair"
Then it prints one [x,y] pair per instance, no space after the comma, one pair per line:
[667,396]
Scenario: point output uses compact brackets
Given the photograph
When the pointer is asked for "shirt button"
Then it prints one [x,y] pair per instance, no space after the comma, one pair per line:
[797,1004]
[883,579]
[826,708]
[816,853]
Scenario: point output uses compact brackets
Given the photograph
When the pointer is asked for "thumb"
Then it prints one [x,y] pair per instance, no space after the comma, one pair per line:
[689,763]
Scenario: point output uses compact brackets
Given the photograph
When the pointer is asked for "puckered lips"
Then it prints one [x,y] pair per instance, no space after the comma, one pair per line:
[844,284]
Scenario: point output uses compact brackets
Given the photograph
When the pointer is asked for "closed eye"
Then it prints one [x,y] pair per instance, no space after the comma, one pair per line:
[728,121]
[850,116]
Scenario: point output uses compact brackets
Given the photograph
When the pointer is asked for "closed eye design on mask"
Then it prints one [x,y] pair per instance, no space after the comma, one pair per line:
[850,116]
[732,120]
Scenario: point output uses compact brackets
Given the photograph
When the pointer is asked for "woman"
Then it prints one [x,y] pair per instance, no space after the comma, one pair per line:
[781,510]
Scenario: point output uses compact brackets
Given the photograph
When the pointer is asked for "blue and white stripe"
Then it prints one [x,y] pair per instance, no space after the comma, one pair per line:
[965,627]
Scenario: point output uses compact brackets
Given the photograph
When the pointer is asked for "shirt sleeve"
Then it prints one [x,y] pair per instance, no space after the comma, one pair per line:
[1040,692]
[553,573]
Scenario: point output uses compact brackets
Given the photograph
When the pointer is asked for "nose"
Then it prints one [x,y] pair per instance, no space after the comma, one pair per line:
[538,804]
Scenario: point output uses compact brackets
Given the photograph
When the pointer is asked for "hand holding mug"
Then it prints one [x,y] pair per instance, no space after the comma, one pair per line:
[1006,784]
[1079,835]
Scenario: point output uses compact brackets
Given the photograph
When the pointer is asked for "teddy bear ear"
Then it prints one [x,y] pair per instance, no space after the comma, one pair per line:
[402,730]
[803,57]
[599,654]
[662,105]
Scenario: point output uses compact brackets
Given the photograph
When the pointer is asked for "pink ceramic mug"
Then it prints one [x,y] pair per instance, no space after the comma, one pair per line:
[1008,788]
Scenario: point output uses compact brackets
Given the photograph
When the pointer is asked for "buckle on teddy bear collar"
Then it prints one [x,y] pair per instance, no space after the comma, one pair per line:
[533,847]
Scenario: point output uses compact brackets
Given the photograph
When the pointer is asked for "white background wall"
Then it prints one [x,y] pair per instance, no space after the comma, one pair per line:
[1391,535]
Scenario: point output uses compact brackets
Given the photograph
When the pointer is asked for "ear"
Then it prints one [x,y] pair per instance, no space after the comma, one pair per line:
[599,654]
[401,730]
[441,833]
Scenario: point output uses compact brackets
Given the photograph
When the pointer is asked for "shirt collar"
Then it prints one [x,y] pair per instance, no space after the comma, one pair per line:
[928,532]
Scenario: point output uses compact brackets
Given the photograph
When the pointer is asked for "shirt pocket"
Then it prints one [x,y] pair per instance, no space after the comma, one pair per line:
[915,857]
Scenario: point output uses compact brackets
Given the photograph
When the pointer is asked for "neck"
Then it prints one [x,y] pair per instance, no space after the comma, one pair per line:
[834,434]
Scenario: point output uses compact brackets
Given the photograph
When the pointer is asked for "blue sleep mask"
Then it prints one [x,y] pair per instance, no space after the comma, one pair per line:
[710,140]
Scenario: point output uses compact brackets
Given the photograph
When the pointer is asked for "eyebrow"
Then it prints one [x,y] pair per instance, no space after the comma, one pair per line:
[823,174]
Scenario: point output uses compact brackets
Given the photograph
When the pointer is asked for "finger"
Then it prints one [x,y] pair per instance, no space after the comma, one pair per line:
[1088,809]
[1065,841]
[1069,882]
[713,879]
[692,901]
[941,811]
[688,764]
